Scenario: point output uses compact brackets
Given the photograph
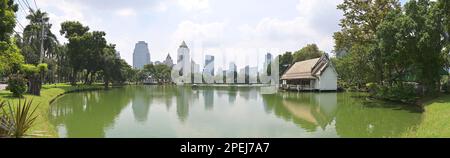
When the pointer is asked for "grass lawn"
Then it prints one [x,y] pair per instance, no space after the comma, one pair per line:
[436,120]
[42,126]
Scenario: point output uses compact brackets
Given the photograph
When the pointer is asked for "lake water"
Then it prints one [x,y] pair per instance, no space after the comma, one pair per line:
[173,112]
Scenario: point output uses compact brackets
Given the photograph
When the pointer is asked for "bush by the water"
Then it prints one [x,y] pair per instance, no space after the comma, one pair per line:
[446,87]
[17,84]
[402,92]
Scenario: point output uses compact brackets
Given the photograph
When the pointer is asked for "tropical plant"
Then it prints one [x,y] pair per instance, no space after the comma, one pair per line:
[18,119]
[3,131]
[17,84]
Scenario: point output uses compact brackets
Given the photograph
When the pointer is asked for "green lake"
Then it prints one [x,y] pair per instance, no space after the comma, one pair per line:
[176,111]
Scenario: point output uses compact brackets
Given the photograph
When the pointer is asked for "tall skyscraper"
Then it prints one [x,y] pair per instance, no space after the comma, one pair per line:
[141,55]
[184,58]
[267,60]
[232,73]
[209,65]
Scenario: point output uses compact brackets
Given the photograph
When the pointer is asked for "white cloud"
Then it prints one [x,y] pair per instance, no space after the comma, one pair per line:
[160,7]
[208,33]
[316,22]
[194,5]
[126,12]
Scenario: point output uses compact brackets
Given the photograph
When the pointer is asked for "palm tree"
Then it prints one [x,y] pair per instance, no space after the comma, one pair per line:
[32,37]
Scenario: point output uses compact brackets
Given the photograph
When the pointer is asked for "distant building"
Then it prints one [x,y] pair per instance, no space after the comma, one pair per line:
[184,58]
[168,61]
[195,68]
[141,55]
[231,76]
[209,65]
[267,61]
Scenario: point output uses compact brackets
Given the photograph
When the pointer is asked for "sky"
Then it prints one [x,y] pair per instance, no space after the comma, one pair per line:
[240,31]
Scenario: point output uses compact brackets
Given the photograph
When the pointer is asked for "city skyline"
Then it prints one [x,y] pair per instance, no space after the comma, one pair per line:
[164,23]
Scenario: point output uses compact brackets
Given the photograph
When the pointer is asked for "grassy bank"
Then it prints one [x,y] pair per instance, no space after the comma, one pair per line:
[42,127]
[436,120]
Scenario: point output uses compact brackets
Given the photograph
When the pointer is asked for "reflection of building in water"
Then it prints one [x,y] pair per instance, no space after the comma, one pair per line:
[183,101]
[253,94]
[141,104]
[232,96]
[208,96]
[307,110]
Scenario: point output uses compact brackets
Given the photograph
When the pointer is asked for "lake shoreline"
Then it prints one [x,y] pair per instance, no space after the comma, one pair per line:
[43,128]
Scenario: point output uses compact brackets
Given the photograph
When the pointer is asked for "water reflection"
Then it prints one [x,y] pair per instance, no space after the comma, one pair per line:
[146,111]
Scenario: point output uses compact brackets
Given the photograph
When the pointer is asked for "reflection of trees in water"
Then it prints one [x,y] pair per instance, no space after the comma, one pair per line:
[372,119]
[353,117]
[308,110]
[88,114]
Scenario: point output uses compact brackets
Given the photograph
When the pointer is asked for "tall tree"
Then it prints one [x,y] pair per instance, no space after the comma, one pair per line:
[359,27]
[75,32]
[310,51]
[37,31]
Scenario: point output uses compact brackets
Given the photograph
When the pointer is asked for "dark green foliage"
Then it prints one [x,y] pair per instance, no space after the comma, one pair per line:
[403,92]
[310,51]
[17,84]
[390,46]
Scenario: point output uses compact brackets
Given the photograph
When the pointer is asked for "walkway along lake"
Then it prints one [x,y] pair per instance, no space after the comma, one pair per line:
[172,112]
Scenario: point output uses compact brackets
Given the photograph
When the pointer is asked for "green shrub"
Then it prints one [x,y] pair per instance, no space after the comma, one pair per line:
[446,87]
[17,84]
[402,92]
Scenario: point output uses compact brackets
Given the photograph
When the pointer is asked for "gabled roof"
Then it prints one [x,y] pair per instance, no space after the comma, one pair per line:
[301,70]
[308,69]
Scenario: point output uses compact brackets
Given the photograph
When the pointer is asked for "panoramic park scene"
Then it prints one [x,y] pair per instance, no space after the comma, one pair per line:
[225,69]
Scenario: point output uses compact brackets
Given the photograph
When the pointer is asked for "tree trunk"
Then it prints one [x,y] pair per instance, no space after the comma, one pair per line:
[34,85]
[72,78]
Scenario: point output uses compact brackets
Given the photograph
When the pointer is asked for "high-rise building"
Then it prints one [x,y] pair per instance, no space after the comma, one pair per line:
[141,55]
[168,61]
[267,61]
[184,58]
[232,73]
[209,65]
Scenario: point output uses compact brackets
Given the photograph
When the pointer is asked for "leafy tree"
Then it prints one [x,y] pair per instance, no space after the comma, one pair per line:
[114,69]
[359,27]
[7,19]
[285,60]
[160,72]
[9,53]
[310,51]
[72,29]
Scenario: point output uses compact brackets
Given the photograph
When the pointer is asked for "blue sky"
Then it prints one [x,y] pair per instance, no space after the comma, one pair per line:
[233,30]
